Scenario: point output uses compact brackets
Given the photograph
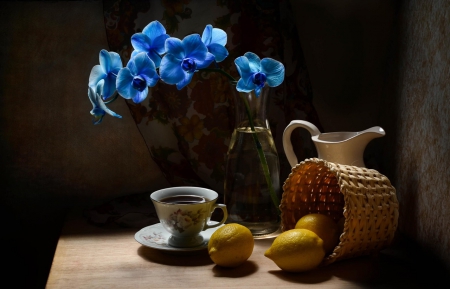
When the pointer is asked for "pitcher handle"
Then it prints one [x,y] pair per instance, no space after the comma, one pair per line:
[287,144]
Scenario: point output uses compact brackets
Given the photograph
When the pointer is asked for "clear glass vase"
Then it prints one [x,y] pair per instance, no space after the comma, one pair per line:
[252,181]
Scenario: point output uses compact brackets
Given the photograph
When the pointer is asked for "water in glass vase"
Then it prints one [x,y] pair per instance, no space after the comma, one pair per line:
[247,195]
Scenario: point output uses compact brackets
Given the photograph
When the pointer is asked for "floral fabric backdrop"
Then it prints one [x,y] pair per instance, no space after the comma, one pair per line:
[188,131]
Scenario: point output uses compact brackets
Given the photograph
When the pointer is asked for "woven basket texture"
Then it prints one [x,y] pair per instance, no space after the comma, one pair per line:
[364,197]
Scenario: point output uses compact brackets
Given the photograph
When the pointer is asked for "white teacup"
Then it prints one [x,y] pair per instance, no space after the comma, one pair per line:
[186,211]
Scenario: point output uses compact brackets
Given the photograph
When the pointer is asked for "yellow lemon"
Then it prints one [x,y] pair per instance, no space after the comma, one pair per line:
[231,245]
[296,250]
[324,226]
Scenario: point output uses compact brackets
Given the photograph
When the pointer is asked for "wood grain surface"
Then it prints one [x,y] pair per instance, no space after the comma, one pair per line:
[98,257]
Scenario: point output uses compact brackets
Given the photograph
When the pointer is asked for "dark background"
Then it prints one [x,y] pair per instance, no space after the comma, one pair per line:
[371,63]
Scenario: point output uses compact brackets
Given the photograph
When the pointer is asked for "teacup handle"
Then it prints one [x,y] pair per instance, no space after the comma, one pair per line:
[287,144]
[225,216]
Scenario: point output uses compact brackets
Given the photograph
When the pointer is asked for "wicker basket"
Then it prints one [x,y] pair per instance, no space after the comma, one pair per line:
[364,197]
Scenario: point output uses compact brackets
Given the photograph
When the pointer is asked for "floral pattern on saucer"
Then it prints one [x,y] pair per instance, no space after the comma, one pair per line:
[157,238]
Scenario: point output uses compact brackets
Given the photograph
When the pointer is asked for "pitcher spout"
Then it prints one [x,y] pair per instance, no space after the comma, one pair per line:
[365,136]
[346,148]
[376,130]
[345,136]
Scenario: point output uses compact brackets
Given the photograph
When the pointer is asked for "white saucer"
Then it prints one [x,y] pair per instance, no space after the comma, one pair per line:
[155,236]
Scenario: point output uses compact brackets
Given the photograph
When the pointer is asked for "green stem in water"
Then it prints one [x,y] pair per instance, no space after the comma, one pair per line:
[261,155]
[258,145]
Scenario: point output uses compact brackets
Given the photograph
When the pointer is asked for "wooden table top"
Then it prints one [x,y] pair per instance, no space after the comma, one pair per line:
[88,256]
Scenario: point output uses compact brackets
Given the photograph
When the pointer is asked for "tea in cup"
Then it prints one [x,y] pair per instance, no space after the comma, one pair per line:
[185,212]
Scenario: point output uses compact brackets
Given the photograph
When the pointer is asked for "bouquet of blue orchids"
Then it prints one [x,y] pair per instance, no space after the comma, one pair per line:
[159,57]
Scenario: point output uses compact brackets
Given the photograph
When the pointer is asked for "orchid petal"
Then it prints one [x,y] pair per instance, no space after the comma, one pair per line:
[257,90]
[207,34]
[185,81]
[123,83]
[153,30]
[109,86]
[249,80]
[116,62]
[158,44]
[170,70]
[241,86]
[219,52]
[146,68]
[98,106]
[97,119]
[97,74]
[151,81]
[218,36]
[99,87]
[140,95]
[143,63]
[243,67]
[105,60]
[141,42]
[175,47]
[154,57]
[131,65]
[107,110]
[134,53]
[274,71]
[205,63]
[98,114]
[91,95]
[254,61]
[194,47]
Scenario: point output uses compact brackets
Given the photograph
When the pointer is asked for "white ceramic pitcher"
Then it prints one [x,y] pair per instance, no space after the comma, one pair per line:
[345,148]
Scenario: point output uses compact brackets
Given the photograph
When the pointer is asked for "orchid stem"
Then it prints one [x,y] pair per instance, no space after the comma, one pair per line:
[114,97]
[261,155]
[220,71]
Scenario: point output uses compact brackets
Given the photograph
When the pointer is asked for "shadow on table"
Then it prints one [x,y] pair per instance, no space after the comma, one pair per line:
[245,269]
[362,270]
[387,269]
[310,277]
[194,258]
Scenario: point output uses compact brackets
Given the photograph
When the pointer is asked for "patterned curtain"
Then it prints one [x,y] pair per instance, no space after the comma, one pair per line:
[188,131]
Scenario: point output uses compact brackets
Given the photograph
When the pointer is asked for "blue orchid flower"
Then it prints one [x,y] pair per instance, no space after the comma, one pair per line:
[255,73]
[134,79]
[183,58]
[99,108]
[110,64]
[215,40]
[150,41]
